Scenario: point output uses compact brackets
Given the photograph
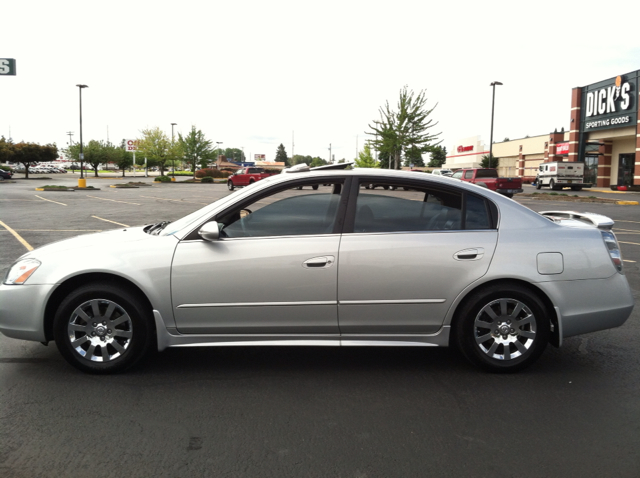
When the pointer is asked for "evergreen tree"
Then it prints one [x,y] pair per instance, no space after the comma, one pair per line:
[438,156]
[281,155]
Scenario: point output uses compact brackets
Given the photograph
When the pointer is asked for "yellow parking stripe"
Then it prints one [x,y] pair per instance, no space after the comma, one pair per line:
[632,243]
[61,203]
[17,236]
[113,222]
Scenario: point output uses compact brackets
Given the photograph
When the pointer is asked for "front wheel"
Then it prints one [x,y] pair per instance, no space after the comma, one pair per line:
[102,328]
[230,185]
[538,184]
[502,329]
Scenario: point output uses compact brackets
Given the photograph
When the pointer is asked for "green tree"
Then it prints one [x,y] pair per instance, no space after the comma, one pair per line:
[27,154]
[315,162]
[196,148]
[365,159]
[438,156]
[156,147]
[298,158]
[404,129]
[122,158]
[489,161]
[281,155]
[413,156]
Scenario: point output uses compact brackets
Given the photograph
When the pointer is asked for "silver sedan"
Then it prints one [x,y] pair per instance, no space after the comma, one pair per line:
[429,261]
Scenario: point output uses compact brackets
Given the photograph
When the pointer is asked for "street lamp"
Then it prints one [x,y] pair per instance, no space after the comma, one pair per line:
[218,142]
[81,182]
[174,161]
[493,102]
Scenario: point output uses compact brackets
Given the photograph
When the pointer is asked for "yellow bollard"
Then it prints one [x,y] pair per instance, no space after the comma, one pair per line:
[82,183]
[173,178]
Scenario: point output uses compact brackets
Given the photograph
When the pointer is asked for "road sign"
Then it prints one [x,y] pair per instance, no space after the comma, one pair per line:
[7,67]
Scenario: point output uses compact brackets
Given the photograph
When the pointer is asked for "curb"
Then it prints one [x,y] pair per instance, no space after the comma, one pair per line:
[627,203]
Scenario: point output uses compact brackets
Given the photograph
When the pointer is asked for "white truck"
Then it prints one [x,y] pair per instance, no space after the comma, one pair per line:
[561,174]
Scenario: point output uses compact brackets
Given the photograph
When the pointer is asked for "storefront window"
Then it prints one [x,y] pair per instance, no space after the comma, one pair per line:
[625,169]
[591,169]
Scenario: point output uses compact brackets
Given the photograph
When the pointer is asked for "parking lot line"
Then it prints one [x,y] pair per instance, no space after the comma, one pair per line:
[17,236]
[115,200]
[113,222]
[632,243]
[175,200]
[61,203]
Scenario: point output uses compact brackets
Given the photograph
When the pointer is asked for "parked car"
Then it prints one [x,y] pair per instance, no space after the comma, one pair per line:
[488,178]
[5,174]
[445,262]
[442,172]
[246,177]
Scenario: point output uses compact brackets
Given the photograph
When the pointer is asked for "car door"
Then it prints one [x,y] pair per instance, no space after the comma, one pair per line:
[273,270]
[408,254]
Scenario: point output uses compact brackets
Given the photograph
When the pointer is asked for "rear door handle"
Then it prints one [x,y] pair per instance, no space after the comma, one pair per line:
[319,262]
[469,254]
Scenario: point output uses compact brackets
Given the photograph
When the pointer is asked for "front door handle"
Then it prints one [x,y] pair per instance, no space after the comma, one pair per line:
[473,254]
[319,262]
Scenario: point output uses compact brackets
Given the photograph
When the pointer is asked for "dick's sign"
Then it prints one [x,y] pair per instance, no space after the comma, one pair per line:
[7,67]
[611,103]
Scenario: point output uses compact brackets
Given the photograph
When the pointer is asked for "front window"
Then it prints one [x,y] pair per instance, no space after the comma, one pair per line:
[310,209]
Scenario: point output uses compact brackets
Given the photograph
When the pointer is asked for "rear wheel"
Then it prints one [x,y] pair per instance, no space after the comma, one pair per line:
[101,328]
[552,185]
[230,185]
[502,329]
[314,187]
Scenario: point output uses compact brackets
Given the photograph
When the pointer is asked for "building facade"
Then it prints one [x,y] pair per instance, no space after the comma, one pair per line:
[604,133]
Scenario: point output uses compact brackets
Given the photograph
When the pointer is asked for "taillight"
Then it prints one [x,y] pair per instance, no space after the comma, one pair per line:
[611,242]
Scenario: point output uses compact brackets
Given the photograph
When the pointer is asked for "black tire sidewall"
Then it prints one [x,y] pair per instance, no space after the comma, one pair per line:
[230,185]
[463,329]
[141,340]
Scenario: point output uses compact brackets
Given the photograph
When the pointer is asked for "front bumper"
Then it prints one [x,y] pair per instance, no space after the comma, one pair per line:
[22,310]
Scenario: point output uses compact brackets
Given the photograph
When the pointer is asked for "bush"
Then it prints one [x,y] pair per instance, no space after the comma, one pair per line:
[207,179]
[211,172]
[162,179]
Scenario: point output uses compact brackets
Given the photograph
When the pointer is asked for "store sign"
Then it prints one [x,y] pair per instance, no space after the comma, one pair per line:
[131,144]
[7,67]
[260,157]
[463,149]
[562,148]
[610,104]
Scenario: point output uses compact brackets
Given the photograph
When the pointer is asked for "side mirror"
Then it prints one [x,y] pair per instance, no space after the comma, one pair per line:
[210,231]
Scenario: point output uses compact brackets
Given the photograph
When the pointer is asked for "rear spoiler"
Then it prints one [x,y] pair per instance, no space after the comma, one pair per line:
[579,219]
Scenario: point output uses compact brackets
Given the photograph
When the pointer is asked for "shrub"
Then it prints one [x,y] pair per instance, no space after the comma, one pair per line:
[207,179]
[162,179]
[211,172]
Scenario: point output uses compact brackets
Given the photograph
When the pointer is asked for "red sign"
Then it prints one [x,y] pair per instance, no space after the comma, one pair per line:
[462,149]
[562,148]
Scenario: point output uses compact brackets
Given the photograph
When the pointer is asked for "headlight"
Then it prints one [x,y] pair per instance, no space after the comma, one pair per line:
[21,271]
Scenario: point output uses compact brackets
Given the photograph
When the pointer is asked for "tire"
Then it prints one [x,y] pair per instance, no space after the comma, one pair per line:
[385,187]
[314,187]
[502,329]
[509,195]
[538,184]
[102,329]
[251,181]
[552,185]
[393,188]
[230,185]
[576,188]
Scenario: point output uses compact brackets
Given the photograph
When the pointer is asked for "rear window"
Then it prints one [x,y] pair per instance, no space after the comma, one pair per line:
[487,173]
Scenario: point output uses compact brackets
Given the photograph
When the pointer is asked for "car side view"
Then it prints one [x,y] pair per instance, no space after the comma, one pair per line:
[427,261]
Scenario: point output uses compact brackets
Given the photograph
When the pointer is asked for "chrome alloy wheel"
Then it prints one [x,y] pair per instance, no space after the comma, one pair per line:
[505,329]
[100,330]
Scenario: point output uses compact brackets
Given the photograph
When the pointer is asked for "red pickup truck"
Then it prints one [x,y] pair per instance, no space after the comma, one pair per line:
[488,178]
[246,176]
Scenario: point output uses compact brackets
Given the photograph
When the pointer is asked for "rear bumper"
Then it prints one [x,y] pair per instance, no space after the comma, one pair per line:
[509,191]
[585,306]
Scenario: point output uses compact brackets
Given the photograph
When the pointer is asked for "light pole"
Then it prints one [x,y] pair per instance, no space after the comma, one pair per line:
[493,102]
[82,183]
[218,143]
[174,160]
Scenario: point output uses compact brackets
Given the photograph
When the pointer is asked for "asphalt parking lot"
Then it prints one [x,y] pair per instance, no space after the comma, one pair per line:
[304,411]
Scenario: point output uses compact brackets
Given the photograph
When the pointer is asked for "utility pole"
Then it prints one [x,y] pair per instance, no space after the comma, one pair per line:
[70,133]
[330,153]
